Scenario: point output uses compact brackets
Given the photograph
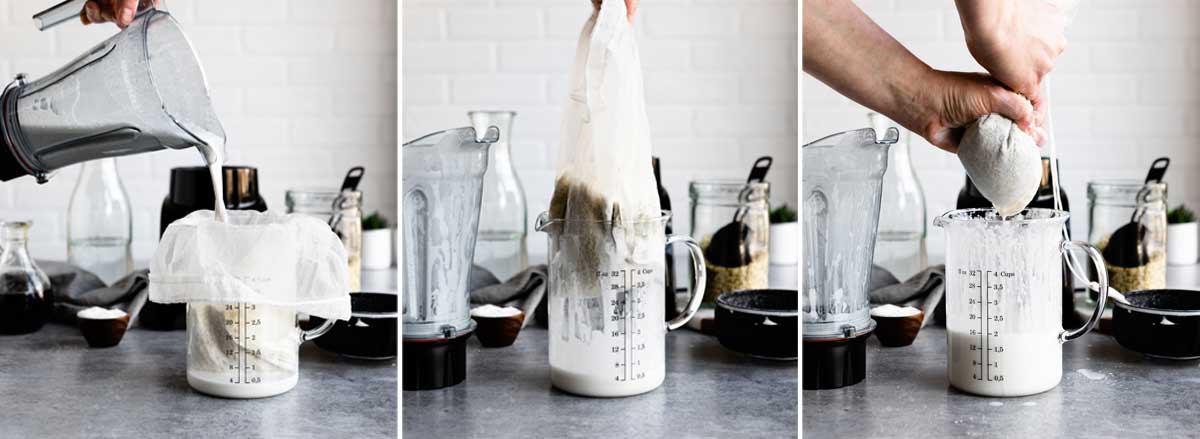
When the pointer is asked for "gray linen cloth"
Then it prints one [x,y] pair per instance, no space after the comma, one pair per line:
[925,290]
[524,291]
[76,289]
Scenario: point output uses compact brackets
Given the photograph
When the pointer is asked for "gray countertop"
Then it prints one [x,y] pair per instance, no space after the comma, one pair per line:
[1106,391]
[53,385]
[709,392]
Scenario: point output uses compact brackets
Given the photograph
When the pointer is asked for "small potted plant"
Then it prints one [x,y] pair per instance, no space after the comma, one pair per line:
[376,243]
[1181,236]
[785,238]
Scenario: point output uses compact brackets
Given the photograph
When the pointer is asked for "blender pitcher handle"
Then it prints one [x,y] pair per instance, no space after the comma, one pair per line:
[1101,276]
[697,293]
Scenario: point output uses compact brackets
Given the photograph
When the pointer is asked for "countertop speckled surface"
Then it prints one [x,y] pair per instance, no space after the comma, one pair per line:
[709,393]
[52,385]
[1106,391]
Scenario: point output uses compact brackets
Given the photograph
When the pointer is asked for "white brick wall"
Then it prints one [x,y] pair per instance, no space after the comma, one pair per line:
[1124,93]
[720,83]
[305,91]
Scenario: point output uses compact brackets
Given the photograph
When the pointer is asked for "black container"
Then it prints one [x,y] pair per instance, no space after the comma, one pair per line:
[759,323]
[434,364]
[370,334]
[834,363]
[191,190]
[1159,323]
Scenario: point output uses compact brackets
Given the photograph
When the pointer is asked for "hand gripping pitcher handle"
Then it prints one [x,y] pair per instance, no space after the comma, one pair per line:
[1101,276]
[699,277]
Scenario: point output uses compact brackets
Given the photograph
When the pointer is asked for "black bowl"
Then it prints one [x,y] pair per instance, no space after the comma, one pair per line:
[370,334]
[1159,323]
[759,323]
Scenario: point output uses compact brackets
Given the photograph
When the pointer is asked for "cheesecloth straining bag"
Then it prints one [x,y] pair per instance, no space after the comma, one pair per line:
[262,258]
[604,169]
[605,194]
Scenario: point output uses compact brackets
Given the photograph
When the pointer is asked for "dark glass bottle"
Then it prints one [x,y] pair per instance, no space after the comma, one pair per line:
[25,291]
[970,198]
[665,201]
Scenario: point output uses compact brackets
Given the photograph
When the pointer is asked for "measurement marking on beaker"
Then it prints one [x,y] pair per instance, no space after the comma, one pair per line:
[241,341]
[626,277]
[984,358]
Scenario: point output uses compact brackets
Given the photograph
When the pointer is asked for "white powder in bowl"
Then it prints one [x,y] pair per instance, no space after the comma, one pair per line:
[893,311]
[98,313]
[494,311]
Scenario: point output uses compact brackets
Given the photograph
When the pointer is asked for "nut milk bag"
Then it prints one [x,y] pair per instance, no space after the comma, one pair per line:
[604,172]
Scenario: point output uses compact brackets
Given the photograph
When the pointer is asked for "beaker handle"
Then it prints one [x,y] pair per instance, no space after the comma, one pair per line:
[1101,276]
[698,270]
[310,334]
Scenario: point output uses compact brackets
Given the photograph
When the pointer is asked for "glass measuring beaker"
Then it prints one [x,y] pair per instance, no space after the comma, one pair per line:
[607,336]
[245,350]
[141,90]
[1004,302]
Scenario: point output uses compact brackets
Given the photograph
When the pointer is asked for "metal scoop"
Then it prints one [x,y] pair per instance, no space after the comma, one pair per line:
[1126,247]
[730,245]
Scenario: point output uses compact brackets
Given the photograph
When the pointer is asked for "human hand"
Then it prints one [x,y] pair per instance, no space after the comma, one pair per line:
[120,12]
[1016,41]
[949,100]
[630,7]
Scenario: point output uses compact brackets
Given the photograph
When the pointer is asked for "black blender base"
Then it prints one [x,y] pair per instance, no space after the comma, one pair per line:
[834,364]
[434,364]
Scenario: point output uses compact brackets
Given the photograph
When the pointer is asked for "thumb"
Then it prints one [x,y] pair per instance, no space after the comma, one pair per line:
[1017,108]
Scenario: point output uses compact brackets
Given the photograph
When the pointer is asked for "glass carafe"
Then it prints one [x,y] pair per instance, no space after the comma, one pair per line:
[503,219]
[25,292]
[607,330]
[100,222]
[1003,299]
[900,242]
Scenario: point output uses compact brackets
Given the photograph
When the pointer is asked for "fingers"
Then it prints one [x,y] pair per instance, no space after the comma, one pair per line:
[630,9]
[91,13]
[1015,107]
[120,12]
[127,9]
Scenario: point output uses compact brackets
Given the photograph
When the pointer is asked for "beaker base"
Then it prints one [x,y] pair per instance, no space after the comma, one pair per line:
[242,391]
[588,385]
[1007,391]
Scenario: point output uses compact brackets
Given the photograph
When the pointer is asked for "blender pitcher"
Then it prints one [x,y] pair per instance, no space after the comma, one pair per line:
[607,336]
[1004,302]
[443,186]
[842,189]
[140,90]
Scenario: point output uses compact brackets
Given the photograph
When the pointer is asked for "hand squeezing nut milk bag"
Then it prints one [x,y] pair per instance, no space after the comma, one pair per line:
[604,172]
